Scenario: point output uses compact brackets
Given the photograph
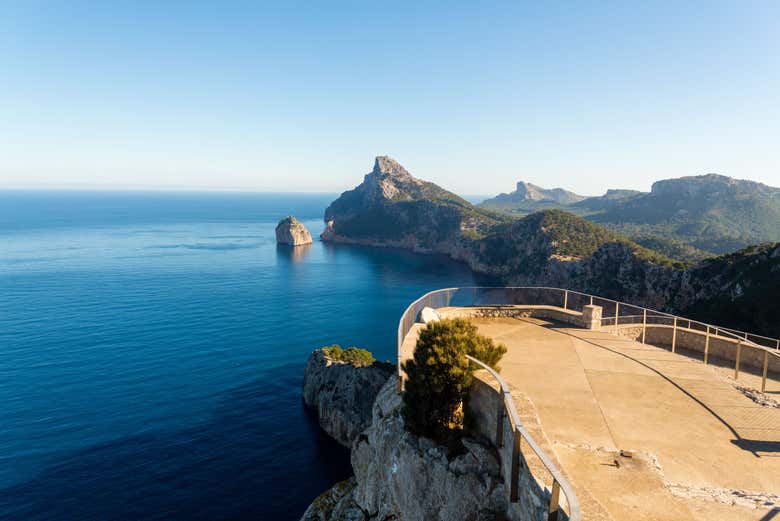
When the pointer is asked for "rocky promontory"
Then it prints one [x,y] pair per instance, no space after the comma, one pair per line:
[342,392]
[292,232]
[402,476]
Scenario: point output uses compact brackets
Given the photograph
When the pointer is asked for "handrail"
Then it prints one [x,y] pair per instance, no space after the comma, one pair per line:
[559,480]
[443,297]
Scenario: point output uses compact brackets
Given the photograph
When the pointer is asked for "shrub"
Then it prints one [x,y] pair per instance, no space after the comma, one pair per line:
[439,375]
[351,355]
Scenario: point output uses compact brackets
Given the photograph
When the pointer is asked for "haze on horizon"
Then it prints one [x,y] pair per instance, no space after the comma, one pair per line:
[295,97]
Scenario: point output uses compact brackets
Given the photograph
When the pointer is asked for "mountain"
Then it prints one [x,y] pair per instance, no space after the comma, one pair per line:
[710,212]
[701,215]
[392,208]
[528,198]
[610,200]
[552,248]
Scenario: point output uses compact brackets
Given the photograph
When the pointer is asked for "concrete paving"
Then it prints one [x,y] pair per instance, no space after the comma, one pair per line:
[699,448]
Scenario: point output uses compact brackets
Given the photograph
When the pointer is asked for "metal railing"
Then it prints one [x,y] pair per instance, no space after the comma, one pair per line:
[559,481]
[615,314]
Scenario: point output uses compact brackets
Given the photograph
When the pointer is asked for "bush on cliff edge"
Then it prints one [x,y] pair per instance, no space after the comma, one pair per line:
[439,375]
[351,355]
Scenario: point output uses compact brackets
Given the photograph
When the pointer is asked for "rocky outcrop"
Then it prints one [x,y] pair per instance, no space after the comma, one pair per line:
[402,476]
[336,504]
[342,393]
[292,232]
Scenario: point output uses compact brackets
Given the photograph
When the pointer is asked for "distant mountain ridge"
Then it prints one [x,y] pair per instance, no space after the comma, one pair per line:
[390,208]
[708,214]
[530,192]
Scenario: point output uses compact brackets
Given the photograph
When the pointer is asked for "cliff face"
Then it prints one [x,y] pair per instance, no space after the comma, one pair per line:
[292,232]
[401,476]
[738,290]
[342,394]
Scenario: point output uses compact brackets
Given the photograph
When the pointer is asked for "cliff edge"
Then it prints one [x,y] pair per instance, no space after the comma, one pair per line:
[342,393]
[402,476]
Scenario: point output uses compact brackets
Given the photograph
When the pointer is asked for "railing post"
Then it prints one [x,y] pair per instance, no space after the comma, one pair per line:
[514,479]
[617,311]
[674,336]
[644,325]
[591,303]
[566,299]
[707,347]
[736,365]
[766,366]
[554,501]
[500,422]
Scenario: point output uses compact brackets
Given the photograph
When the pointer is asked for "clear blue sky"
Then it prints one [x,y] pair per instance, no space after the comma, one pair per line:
[471,95]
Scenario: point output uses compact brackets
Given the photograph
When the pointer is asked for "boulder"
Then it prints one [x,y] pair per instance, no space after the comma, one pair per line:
[292,232]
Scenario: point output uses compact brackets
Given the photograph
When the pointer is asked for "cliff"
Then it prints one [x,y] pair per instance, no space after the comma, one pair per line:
[292,232]
[342,393]
[402,476]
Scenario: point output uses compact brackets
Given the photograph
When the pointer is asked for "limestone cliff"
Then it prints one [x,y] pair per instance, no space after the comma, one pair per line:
[401,476]
[342,393]
[292,232]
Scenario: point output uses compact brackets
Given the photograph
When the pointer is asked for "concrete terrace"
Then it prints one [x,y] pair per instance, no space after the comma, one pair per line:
[695,446]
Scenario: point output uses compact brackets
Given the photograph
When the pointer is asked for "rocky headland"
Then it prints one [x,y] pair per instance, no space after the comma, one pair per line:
[391,208]
[342,393]
[292,232]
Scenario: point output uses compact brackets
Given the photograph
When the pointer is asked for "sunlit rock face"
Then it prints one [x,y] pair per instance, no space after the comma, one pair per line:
[292,232]
[402,476]
[342,394]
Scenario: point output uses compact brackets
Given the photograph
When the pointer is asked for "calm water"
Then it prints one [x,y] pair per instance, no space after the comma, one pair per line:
[152,349]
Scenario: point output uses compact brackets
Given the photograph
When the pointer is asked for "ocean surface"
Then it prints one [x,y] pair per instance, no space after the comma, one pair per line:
[152,347]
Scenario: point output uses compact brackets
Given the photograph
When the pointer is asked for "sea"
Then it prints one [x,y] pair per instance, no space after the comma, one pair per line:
[152,347]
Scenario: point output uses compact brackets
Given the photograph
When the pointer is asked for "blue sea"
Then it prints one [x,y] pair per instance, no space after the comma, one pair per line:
[152,347]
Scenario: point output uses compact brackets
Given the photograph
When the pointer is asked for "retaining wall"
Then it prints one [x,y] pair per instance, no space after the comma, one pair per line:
[721,348]
[485,402]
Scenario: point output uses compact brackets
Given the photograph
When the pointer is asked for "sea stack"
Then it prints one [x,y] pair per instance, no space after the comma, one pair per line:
[292,232]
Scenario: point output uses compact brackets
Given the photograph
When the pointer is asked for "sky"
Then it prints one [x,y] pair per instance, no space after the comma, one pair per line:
[300,96]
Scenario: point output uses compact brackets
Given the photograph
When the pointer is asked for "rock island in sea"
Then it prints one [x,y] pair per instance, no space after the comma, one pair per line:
[292,232]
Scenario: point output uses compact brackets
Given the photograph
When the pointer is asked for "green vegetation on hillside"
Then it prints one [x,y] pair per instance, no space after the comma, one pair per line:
[748,286]
[529,242]
[351,355]
[671,248]
[707,215]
